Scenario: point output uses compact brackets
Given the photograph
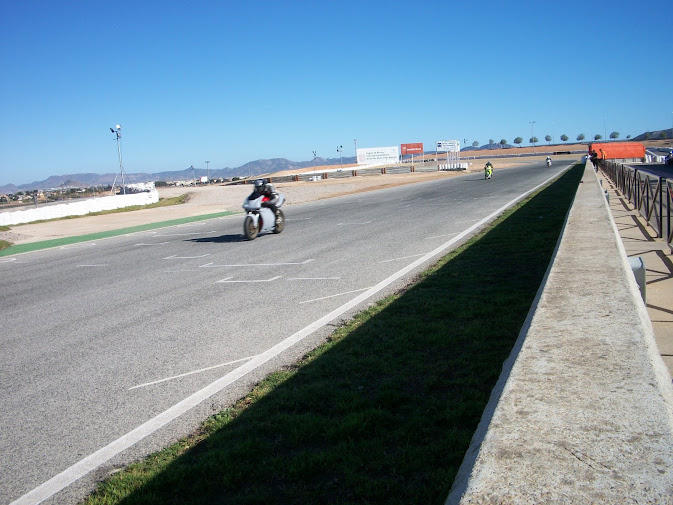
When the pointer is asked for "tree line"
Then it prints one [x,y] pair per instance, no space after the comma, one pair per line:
[534,140]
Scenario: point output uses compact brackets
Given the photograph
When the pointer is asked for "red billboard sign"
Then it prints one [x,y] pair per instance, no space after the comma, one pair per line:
[415,148]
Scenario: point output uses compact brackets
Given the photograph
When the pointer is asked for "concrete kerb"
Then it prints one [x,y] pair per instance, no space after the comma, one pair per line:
[583,410]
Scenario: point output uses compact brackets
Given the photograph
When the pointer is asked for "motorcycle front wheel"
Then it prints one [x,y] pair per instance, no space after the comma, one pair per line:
[280,221]
[249,229]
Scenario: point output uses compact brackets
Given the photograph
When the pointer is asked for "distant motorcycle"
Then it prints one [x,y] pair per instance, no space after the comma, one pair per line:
[260,219]
[549,162]
[488,173]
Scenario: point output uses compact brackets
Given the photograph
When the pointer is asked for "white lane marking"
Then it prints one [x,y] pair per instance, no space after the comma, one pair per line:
[144,244]
[255,280]
[201,370]
[402,258]
[102,265]
[213,265]
[313,278]
[7,260]
[174,257]
[74,246]
[184,234]
[334,296]
[442,236]
[353,224]
[104,454]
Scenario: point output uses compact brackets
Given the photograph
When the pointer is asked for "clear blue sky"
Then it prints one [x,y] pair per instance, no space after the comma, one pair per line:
[233,82]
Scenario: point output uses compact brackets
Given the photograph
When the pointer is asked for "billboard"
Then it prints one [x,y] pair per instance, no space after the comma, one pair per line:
[449,146]
[415,148]
[378,155]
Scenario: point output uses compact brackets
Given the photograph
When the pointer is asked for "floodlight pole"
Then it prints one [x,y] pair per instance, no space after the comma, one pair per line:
[340,150]
[208,172]
[117,130]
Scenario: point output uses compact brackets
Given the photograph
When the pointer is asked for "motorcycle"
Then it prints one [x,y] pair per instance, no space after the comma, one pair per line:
[548,162]
[260,219]
[488,173]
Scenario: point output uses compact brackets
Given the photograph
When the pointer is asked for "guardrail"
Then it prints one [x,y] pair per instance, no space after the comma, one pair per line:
[355,172]
[650,195]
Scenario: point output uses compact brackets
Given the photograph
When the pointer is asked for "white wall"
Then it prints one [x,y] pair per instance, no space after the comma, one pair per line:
[77,208]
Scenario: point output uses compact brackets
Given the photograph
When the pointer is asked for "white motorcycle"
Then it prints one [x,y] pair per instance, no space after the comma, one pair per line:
[549,162]
[260,219]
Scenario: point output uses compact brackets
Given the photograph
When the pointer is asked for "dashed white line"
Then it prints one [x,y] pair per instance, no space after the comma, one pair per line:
[334,296]
[201,370]
[213,265]
[144,244]
[185,257]
[402,258]
[254,280]
[442,236]
[313,278]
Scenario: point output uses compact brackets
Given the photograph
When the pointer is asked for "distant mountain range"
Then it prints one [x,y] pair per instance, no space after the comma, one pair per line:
[252,168]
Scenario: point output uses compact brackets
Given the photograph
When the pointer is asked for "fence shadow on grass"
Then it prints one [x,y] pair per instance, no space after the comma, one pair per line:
[384,412]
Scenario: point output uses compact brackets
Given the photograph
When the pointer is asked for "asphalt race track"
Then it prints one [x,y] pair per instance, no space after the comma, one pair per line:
[105,339]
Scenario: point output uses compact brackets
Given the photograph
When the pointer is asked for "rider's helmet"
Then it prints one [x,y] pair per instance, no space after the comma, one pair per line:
[259,184]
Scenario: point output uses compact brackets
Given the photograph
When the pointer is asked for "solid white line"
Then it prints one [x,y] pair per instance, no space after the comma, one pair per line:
[74,246]
[93,461]
[349,224]
[190,373]
[81,266]
[334,296]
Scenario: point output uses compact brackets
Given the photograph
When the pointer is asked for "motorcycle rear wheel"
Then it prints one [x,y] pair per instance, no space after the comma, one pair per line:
[249,229]
[280,221]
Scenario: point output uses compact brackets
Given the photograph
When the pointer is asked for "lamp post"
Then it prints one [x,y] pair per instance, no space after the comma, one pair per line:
[532,136]
[117,130]
[355,141]
[208,172]
[340,150]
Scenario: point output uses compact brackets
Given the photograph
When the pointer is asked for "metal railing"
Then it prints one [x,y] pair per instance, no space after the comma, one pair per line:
[650,195]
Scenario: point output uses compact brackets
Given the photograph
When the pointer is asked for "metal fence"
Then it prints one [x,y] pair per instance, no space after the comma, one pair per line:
[650,195]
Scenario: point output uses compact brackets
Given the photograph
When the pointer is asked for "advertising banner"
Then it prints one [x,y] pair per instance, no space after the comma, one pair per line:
[415,148]
[450,146]
[378,155]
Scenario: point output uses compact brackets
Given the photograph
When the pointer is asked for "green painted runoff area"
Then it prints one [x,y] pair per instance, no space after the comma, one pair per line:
[46,244]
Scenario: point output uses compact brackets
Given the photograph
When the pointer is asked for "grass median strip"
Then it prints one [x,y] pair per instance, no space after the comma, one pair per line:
[46,244]
[384,411]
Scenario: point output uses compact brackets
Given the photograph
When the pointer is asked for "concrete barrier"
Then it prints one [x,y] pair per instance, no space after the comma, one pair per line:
[583,410]
[77,208]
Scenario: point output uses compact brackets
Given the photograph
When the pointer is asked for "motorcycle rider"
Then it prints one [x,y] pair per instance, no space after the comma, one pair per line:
[267,189]
[548,160]
[488,170]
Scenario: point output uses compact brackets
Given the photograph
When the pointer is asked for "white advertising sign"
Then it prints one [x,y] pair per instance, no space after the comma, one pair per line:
[451,146]
[378,155]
